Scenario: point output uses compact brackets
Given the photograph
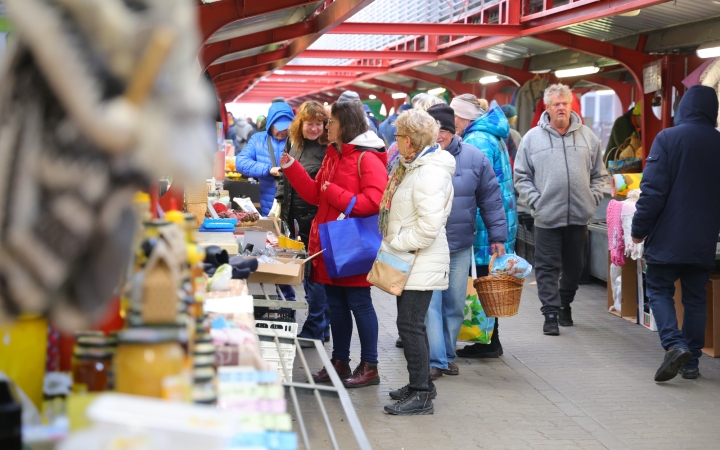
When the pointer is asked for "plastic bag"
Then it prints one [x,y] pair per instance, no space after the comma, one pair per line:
[476,326]
[511,265]
[616,286]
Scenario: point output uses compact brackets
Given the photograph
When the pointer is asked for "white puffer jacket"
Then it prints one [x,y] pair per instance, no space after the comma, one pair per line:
[418,213]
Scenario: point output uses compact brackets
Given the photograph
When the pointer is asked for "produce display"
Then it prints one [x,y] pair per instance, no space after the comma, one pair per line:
[244,218]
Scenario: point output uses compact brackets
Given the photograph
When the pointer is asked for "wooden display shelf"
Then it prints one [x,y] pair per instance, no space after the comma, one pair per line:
[629,300]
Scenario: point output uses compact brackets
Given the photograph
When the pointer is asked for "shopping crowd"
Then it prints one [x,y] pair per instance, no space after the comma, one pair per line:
[443,180]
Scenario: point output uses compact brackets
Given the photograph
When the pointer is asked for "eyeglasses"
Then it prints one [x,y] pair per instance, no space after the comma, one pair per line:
[399,135]
[331,122]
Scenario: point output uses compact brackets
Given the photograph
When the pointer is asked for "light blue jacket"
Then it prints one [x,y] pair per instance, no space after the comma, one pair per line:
[254,160]
[487,133]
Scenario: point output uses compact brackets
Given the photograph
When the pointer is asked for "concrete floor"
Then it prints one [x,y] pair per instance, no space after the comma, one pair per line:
[590,388]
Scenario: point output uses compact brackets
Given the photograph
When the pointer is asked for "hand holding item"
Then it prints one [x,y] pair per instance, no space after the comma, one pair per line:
[275,171]
[325,186]
[498,248]
[638,241]
[286,159]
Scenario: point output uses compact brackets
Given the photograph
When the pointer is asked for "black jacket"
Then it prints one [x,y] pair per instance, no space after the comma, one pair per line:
[292,206]
[679,209]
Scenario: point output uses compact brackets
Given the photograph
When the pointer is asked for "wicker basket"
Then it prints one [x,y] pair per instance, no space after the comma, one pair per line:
[499,295]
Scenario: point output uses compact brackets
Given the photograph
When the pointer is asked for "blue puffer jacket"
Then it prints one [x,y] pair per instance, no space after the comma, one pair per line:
[679,208]
[254,160]
[487,134]
[476,186]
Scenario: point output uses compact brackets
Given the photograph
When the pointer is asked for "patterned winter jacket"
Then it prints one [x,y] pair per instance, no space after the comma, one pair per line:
[487,133]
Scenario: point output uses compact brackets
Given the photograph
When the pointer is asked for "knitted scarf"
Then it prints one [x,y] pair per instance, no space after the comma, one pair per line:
[395,179]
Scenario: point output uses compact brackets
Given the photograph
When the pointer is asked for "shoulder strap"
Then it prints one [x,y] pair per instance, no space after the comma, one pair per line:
[359,162]
[271,150]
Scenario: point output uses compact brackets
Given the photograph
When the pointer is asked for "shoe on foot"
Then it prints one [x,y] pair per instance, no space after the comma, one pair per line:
[690,374]
[341,367]
[414,403]
[478,350]
[550,327]
[399,394]
[365,374]
[435,373]
[565,317]
[398,343]
[452,369]
[675,358]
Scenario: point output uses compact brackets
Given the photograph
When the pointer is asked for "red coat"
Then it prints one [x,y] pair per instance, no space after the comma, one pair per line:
[341,170]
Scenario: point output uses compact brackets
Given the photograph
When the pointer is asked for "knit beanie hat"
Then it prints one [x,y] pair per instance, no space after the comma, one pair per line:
[509,110]
[445,115]
[348,96]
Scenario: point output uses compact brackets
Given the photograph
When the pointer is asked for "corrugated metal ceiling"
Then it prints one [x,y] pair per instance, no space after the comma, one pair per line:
[656,17]
[517,48]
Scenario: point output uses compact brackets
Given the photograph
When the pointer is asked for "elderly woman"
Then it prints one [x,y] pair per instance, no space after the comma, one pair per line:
[414,209]
[307,140]
[354,166]
[486,131]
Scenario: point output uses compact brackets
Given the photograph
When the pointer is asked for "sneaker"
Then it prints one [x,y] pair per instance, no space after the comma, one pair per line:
[399,394]
[414,403]
[492,350]
[398,343]
[690,374]
[341,367]
[550,327]
[675,358]
[365,374]
[565,318]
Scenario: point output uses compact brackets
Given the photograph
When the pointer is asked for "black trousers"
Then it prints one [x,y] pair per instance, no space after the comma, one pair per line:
[412,309]
[559,260]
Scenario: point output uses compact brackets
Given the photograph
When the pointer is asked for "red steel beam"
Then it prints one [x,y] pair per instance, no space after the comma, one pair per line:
[220,72]
[456,87]
[369,54]
[330,17]
[214,16]
[578,12]
[335,69]
[518,75]
[275,77]
[427,29]
[212,52]
[382,84]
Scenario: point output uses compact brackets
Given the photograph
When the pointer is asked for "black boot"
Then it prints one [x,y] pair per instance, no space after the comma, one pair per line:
[398,343]
[491,350]
[565,318]
[550,327]
[399,394]
[414,403]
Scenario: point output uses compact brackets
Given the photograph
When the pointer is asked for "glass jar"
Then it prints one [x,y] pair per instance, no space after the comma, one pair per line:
[92,363]
[145,358]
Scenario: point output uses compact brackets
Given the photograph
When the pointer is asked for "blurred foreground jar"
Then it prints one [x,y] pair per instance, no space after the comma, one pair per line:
[92,362]
[145,358]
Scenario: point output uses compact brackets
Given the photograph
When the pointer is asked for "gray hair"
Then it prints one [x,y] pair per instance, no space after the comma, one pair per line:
[423,101]
[557,89]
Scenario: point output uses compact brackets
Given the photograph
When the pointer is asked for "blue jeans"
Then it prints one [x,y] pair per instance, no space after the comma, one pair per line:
[288,292]
[445,315]
[660,280]
[346,302]
[317,324]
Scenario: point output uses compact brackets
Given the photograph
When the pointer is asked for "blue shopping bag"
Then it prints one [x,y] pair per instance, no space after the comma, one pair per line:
[350,244]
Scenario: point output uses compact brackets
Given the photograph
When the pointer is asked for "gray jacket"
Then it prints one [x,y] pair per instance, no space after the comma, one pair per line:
[560,178]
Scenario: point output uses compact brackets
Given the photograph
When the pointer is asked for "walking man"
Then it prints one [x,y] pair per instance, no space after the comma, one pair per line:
[679,214]
[559,173]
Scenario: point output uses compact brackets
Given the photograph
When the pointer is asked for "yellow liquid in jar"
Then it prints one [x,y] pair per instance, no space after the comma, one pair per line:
[141,368]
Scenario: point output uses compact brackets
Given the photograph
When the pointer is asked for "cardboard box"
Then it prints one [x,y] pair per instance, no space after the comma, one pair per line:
[265,223]
[629,301]
[712,326]
[290,272]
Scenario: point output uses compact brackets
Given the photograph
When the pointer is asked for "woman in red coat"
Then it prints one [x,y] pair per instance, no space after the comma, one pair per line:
[354,166]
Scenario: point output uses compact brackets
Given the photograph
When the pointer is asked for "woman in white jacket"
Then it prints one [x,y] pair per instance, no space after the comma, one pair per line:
[415,206]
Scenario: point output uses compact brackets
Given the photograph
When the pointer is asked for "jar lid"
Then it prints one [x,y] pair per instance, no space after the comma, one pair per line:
[156,223]
[93,341]
[92,352]
[203,360]
[96,333]
[203,338]
[148,335]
